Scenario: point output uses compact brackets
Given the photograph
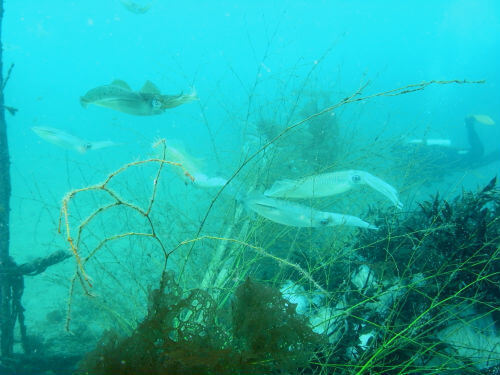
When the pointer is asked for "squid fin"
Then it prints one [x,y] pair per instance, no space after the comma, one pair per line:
[121,83]
[150,88]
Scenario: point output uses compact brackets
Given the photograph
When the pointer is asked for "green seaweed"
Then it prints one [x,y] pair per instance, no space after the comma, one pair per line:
[453,246]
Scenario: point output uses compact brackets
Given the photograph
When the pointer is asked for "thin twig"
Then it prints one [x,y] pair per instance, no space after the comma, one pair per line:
[74,243]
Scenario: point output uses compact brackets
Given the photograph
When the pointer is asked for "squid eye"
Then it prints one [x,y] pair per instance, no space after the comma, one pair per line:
[325,221]
[87,146]
[356,178]
[156,103]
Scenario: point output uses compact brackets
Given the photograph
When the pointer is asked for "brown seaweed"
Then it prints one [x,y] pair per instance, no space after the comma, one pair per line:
[180,335]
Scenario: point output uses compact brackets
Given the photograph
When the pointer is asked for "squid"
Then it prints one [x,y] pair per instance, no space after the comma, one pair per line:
[191,173]
[148,101]
[69,141]
[327,184]
[298,215]
[202,180]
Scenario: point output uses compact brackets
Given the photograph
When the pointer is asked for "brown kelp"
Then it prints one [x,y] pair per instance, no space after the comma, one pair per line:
[183,333]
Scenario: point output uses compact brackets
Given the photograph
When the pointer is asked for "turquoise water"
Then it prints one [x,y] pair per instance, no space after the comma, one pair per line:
[248,61]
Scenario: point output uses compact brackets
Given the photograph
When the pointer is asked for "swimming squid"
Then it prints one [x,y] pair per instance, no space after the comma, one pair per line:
[190,173]
[430,142]
[297,215]
[146,102]
[326,184]
[69,141]
[202,180]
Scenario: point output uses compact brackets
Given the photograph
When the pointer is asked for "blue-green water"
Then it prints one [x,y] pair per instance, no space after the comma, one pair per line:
[249,61]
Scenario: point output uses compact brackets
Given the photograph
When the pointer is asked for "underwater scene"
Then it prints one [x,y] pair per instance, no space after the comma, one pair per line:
[249,187]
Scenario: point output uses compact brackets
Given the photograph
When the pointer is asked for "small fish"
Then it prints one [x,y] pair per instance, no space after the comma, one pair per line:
[147,102]
[327,184]
[484,119]
[11,110]
[69,141]
[297,215]
[135,7]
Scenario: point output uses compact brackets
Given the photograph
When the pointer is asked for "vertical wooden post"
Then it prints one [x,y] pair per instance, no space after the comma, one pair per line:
[6,326]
